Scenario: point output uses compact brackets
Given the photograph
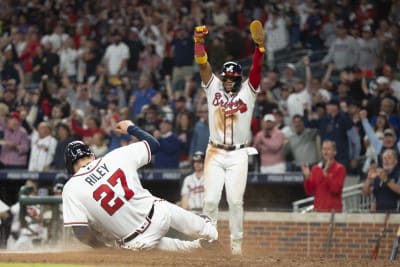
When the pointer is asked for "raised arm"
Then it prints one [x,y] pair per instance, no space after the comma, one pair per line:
[200,54]
[258,36]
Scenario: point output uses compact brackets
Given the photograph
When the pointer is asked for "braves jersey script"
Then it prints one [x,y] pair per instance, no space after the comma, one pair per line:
[229,116]
[108,190]
[194,188]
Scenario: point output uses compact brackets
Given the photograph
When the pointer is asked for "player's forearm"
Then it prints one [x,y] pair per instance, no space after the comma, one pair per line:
[143,135]
[255,70]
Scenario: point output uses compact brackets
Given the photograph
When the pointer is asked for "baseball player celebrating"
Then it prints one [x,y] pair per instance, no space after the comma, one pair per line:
[192,191]
[230,104]
[107,192]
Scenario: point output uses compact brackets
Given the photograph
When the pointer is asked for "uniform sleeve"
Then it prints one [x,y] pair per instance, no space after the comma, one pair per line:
[185,188]
[336,180]
[309,184]
[137,154]
[73,211]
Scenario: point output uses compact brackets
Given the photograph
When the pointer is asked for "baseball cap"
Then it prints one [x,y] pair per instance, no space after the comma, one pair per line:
[382,80]
[291,66]
[198,156]
[165,119]
[269,117]
[389,132]
[15,115]
[366,28]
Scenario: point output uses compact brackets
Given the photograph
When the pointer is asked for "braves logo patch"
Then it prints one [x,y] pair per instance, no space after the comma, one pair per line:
[229,106]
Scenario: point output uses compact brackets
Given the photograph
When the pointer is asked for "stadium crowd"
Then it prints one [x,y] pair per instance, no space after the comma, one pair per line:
[71,69]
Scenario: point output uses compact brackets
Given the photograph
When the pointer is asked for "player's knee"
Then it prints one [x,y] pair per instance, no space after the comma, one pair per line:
[234,204]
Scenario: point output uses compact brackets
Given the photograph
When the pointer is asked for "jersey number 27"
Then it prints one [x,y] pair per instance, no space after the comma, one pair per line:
[105,192]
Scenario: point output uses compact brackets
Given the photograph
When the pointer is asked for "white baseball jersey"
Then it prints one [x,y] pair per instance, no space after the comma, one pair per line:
[193,187]
[108,192]
[229,117]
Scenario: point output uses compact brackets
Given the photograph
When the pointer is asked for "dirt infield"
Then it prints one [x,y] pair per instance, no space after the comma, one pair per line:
[217,257]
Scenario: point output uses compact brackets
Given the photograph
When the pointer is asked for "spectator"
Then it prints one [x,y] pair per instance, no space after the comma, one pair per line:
[43,148]
[116,55]
[270,143]
[183,127]
[192,191]
[135,46]
[68,59]
[325,180]
[333,126]
[149,118]
[183,47]
[343,51]
[99,146]
[289,75]
[388,142]
[276,33]
[15,143]
[168,155]
[201,132]
[92,127]
[302,144]
[368,45]
[63,137]
[143,95]
[382,91]
[383,183]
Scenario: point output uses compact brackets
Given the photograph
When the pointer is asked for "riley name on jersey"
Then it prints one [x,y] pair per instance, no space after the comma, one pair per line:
[97,174]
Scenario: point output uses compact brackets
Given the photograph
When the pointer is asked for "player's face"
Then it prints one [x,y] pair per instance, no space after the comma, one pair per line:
[228,83]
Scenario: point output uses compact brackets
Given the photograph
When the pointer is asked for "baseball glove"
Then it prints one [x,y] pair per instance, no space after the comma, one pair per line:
[257,33]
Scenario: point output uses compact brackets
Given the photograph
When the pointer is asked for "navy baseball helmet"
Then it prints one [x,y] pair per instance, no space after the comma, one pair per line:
[198,156]
[232,71]
[73,152]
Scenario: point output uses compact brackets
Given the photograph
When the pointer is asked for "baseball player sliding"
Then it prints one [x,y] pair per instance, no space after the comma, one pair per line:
[230,104]
[107,192]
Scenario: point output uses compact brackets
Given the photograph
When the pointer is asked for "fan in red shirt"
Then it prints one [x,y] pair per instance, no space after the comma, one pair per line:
[325,180]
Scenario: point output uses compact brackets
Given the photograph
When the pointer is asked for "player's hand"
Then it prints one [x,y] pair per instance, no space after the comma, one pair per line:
[200,33]
[122,126]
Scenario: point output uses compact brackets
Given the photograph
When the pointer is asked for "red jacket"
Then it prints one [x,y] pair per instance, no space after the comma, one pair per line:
[327,190]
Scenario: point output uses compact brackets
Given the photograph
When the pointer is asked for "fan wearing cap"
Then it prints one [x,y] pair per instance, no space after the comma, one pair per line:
[14,143]
[270,143]
[389,138]
[231,100]
[192,191]
[382,91]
